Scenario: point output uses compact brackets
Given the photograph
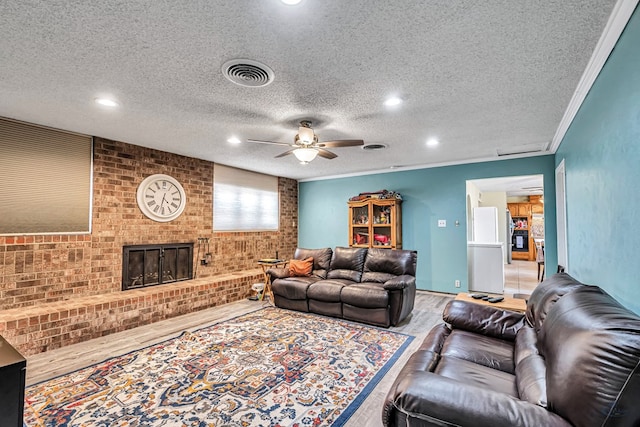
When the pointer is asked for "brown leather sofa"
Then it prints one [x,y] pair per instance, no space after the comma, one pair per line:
[374,286]
[571,360]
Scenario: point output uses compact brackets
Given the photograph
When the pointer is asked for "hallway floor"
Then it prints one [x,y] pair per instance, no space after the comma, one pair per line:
[520,278]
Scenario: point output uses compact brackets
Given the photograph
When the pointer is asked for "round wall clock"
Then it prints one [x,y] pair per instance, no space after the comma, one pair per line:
[161,198]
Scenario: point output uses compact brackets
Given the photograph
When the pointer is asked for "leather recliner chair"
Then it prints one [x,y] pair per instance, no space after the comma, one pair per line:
[573,359]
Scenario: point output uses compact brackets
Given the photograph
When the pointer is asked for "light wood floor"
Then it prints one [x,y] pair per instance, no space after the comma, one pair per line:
[427,312]
[520,277]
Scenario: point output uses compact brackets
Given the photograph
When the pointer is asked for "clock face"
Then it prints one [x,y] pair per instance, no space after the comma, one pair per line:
[161,198]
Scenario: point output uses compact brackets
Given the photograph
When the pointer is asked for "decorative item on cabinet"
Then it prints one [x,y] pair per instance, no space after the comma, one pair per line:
[379,216]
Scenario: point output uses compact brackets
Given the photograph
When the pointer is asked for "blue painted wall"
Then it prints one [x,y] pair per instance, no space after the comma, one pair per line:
[428,195]
[602,162]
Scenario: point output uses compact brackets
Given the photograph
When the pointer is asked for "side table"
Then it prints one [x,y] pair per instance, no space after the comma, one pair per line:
[267,264]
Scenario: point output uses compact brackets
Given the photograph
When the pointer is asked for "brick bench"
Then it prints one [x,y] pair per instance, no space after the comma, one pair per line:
[44,327]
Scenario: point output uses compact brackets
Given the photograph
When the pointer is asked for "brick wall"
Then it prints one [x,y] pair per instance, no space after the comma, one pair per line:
[49,268]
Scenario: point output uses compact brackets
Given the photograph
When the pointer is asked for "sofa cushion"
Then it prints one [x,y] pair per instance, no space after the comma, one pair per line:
[471,373]
[480,349]
[293,288]
[483,319]
[420,398]
[381,265]
[530,367]
[301,267]
[365,295]
[531,380]
[326,290]
[321,260]
[435,339]
[546,294]
[347,263]
[591,345]
[526,344]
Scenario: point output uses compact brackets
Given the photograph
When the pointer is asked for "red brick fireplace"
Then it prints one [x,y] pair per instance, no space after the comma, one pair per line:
[38,272]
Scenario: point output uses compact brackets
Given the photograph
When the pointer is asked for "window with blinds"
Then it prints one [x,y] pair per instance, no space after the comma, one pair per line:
[244,200]
[45,176]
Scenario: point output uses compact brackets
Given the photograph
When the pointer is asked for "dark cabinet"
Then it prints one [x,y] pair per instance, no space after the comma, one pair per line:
[13,368]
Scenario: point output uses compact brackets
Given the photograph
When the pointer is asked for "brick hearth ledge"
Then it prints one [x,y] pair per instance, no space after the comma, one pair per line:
[48,326]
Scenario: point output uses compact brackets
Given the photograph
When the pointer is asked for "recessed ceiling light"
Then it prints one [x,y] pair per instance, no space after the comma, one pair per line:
[393,101]
[432,142]
[233,140]
[106,102]
[291,2]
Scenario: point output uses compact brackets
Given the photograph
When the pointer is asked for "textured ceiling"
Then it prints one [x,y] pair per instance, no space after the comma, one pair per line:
[479,75]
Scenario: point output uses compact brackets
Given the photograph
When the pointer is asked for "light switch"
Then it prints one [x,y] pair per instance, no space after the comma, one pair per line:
[442,223]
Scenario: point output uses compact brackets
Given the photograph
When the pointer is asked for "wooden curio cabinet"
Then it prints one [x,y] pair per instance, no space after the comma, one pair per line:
[375,223]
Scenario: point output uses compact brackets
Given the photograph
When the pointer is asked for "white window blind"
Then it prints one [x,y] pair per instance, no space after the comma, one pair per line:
[46,180]
[244,200]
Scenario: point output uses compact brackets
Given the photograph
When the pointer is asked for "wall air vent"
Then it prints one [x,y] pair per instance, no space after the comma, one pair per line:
[522,149]
[245,72]
[371,147]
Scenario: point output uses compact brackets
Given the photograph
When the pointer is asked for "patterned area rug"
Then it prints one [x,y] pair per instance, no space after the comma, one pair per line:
[271,367]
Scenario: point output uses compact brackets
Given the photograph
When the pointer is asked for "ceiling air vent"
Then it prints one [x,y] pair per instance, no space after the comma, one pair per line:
[245,72]
[371,147]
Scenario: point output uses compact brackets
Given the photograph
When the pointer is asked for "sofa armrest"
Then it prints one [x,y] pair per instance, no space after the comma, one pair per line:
[400,282]
[278,273]
[483,319]
[424,398]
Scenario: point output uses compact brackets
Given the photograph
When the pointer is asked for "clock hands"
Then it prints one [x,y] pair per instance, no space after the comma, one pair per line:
[164,199]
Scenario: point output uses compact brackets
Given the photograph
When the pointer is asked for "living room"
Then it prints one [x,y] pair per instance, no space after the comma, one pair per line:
[599,152]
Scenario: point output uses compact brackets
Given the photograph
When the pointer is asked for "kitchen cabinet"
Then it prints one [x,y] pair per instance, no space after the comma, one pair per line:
[524,209]
[519,209]
[521,216]
[375,223]
[537,208]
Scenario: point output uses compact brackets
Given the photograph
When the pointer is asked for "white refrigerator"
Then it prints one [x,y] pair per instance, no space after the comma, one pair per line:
[485,253]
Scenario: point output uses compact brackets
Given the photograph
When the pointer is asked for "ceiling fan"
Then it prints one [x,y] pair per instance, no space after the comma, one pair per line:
[306,146]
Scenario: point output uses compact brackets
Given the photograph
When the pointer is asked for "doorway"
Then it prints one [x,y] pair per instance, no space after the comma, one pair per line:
[519,202]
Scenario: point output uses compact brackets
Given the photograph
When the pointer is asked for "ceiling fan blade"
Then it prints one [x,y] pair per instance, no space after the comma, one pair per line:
[285,153]
[326,154]
[341,143]
[268,142]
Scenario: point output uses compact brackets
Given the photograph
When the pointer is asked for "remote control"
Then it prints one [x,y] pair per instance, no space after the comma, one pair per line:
[478,296]
[495,299]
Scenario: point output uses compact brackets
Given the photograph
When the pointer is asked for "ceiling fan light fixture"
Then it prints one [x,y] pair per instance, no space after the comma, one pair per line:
[305,155]
[306,135]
